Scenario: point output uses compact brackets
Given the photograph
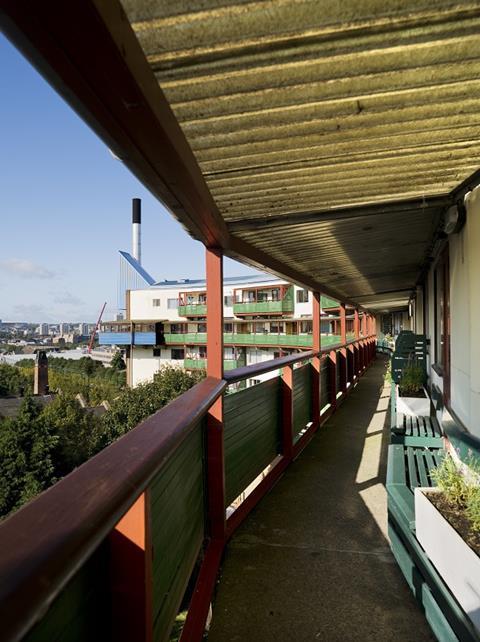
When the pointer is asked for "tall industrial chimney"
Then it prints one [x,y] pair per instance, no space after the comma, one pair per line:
[136,231]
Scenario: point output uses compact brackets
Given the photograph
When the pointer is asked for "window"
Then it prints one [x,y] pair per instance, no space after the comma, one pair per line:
[202,327]
[202,298]
[277,327]
[228,301]
[305,327]
[228,327]
[172,304]
[156,352]
[178,353]
[156,303]
[302,296]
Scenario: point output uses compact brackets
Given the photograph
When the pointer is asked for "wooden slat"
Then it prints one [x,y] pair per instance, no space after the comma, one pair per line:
[82,508]
[412,471]
[422,468]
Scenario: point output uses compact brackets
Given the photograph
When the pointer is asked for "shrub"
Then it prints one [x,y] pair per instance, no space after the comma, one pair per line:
[412,379]
[450,481]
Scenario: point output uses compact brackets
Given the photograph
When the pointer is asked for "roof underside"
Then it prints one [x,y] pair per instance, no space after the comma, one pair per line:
[297,108]
[317,139]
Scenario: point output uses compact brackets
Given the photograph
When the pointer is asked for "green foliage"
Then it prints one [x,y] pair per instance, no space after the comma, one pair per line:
[74,430]
[388,373]
[117,362]
[461,488]
[14,382]
[412,379]
[450,481]
[136,404]
[472,508]
[85,376]
[42,445]
[26,457]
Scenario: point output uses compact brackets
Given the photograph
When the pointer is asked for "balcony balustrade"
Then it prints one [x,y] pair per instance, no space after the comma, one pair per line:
[201,364]
[90,565]
[192,310]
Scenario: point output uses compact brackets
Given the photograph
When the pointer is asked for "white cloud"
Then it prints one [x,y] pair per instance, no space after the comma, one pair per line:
[66,298]
[26,269]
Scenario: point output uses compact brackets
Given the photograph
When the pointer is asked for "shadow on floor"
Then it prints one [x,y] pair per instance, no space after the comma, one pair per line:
[312,561]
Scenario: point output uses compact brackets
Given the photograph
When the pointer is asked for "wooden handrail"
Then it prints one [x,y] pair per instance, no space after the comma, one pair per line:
[47,541]
[246,372]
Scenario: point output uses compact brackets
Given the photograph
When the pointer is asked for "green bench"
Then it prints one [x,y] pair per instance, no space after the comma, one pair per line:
[414,431]
[418,431]
[409,467]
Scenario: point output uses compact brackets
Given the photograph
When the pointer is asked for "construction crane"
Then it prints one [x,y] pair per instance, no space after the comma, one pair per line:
[92,338]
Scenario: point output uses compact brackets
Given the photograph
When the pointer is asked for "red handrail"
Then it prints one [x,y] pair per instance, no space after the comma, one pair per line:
[73,517]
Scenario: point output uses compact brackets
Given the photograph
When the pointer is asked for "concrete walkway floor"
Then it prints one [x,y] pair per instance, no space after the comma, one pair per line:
[312,561]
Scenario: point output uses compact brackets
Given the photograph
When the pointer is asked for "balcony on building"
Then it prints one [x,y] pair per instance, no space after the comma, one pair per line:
[192,304]
[264,300]
[334,146]
[115,333]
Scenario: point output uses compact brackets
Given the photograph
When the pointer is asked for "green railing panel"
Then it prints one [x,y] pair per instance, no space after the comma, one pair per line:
[177,523]
[325,374]
[254,339]
[201,364]
[264,307]
[193,309]
[82,610]
[195,364]
[252,425]
[302,399]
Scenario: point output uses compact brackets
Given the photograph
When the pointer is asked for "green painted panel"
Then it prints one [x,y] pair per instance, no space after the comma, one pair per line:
[177,517]
[325,374]
[194,309]
[326,302]
[252,424]
[264,307]
[81,611]
[302,399]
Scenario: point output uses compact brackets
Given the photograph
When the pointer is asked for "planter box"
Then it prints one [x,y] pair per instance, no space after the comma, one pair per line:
[454,560]
[412,406]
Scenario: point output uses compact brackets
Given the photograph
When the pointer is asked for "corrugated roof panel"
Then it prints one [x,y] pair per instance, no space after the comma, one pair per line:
[295,106]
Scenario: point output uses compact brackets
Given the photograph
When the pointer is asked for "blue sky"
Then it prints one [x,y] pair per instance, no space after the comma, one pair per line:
[65,209]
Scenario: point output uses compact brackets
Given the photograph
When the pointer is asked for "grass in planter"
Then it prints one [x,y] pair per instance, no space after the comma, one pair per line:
[459,500]
[412,380]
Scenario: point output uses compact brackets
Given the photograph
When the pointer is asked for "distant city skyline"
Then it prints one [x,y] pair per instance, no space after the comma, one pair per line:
[65,210]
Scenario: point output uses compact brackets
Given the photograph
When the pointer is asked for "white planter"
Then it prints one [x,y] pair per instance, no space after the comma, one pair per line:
[455,561]
[413,406]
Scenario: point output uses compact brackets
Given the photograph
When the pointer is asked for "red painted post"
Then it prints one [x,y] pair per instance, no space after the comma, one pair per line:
[316,365]
[356,330]
[343,350]
[287,412]
[333,379]
[215,442]
[130,549]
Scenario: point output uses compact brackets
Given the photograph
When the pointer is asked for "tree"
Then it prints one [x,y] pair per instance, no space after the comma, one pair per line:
[136,404]
[26,456]
[74,432]
[117,362]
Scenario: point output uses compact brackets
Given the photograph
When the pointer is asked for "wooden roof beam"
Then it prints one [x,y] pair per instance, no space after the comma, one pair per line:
[89,53]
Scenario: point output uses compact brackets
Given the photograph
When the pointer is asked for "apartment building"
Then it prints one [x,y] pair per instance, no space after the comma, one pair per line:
[264,318]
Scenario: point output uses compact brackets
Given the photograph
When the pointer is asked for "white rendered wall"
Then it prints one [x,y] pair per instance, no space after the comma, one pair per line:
[144,365]
[142,308]
[465,317]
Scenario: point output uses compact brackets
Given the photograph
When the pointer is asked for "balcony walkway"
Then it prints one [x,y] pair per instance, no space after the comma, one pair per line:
[312,561]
